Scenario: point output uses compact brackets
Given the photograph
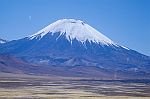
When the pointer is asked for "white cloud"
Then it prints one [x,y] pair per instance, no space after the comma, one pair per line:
[30,18]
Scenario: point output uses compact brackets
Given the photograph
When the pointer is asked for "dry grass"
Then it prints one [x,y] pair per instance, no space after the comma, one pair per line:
[36,87]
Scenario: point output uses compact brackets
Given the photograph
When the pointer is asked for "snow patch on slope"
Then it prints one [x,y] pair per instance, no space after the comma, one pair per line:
[125,47]
[2,41]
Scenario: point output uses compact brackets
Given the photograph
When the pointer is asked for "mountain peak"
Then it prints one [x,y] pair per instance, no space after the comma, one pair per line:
[74,29]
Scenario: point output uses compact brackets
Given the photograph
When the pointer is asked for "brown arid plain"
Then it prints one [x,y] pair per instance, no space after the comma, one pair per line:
[15,86]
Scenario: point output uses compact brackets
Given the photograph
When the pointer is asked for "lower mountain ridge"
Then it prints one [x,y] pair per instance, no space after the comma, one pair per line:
[12,65]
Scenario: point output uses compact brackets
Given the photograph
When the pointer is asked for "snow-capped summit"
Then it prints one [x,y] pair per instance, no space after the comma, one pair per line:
[74,29]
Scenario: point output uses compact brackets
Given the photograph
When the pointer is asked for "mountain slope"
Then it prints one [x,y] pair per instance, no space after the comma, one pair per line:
[72,43]
[12,65]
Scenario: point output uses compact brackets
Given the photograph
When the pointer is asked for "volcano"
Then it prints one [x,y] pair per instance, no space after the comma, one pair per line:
[75,45]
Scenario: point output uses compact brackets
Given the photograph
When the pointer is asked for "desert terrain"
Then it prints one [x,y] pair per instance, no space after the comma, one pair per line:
[15,86]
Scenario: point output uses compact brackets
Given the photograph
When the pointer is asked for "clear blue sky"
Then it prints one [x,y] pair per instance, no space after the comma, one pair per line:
[126,22]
